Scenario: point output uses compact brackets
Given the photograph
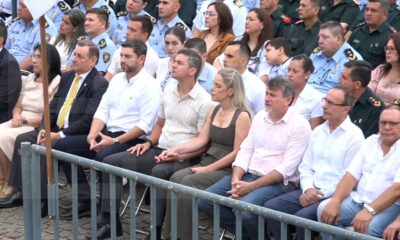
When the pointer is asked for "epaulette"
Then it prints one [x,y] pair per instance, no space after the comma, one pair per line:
[298,22]
[3,22]
[356,2]
[286,19]
[80,38]
[350,54]
[102,43]
[392,29]
[179,24]
[122,13]
[152,19]
[15,19]
[63,7]
[317,49]
[359,25]
[77,4]
[105,9]
[375,102]
[238,3]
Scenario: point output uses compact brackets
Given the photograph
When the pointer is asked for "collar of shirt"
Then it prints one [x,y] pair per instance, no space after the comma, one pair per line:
[364,97]
[194,92]
[84,75]
[284,119]
[172,23]
[96,39]
[346,125]
[340,53]
[139,75]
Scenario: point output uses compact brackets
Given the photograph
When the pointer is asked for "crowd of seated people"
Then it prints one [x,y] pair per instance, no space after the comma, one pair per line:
[296,111]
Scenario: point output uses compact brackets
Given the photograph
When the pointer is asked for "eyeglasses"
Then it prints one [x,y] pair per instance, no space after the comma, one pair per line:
[209,14]
[389,48]
[390,123]
[329,102]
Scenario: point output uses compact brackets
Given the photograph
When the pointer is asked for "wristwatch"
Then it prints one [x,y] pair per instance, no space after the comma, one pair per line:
[370,209]
[116,140]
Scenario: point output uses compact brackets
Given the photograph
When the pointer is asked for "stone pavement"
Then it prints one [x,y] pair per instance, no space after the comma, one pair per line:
[12,223]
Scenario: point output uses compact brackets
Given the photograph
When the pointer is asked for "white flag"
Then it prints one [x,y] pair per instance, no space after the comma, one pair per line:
[39,7]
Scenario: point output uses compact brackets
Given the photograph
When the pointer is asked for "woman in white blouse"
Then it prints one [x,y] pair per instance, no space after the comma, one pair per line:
[307,100]
[70,32]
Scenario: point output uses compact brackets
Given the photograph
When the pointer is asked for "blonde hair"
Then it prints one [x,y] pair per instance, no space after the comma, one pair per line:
[233,79]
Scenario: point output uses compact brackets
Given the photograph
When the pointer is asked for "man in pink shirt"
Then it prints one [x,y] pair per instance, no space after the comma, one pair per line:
[266,165]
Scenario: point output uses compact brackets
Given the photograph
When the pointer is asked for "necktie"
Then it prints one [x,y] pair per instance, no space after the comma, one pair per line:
[68,103]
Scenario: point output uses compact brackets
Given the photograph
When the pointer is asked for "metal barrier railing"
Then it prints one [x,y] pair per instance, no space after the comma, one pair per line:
[31,192]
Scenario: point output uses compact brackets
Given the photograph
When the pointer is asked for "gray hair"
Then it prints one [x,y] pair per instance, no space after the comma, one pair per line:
[282,83]
[349,99]
[334,27]
[384,4]
[233,79]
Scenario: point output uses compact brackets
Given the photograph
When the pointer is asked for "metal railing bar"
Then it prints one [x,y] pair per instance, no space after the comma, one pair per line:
[74,176]
[195,219]
[133,212]
[238,218]
[113,212]
[93,203]
[216,221]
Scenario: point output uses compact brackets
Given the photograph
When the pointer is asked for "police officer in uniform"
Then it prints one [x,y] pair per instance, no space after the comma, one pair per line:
[168,11]
[85,5]
[370,37]
[123,18]
[100,37]
[342,11]
[303,35]
[24,34]
[250,4]
[368,106]
[330,56]
[56,13]
[280,21]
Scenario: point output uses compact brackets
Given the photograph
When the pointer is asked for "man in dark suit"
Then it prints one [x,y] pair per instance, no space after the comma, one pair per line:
[71,113]
[10,78]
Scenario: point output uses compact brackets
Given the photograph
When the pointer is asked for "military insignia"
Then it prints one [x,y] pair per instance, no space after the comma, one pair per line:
[80,38]
[63,7]
[179,24]
[397,102]
[77,4]
[392,29]
[350,54]
[152,19]
[122,13]
[359,25]
[238,3]
[356,2]
[106,57]
[356,41]
[323,8]
[375,102]
[48,37]
[317,49]
[102,43]
[46,25]
[4,23]
[105,8]
[298,22]
[286,19]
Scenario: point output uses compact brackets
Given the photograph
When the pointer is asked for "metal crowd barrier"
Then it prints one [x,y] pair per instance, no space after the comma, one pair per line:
[31,155]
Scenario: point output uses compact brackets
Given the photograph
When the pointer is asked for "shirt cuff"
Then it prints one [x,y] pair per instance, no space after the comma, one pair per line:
[62,135]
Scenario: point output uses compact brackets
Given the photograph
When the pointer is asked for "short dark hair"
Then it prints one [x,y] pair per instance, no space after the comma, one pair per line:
[138,46]
[280,43]
[244,49]
[349,99]
[3,32]
[196,43]
[194,59]
[282,83]
[147,25]
[384,3]
[178,32]
[100,13]
[308,65]
[224,16]
[334,27]
[359,71]
[93,50]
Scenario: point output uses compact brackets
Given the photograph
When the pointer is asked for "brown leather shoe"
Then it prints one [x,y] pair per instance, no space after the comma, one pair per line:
[6,192]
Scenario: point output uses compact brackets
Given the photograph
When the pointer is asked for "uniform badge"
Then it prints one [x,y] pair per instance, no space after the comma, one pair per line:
[375,102]
[153,19]
[63,7]
[356,2]
[317,49]
[238,3]
[80,38]
[179,24]
[105,8]
[102,43]
[356,41]
[106,57]
[122,13]
[350,54]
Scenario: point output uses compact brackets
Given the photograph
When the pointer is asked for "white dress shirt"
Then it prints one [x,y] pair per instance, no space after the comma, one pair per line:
[150,64]
[309,103]
[184,117]
[274,146]
[328,155]
[130,102]
[374,171]
[255,91]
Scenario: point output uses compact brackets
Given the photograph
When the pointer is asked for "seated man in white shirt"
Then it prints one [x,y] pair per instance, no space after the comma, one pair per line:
[139,27]
[333,143]
[126,114]
[266,164]
[367,196]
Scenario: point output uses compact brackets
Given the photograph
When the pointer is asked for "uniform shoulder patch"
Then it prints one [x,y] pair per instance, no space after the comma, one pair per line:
[359,25]
[3,22]
[238,3]
[298,22]
[63,7]
[286,19]
[182,25]
[317,49]
[80,38]
[105,8]
[77,4]
[356,2]
[153,19]
[375,102]
[350,54]
[102,43]
[122,13]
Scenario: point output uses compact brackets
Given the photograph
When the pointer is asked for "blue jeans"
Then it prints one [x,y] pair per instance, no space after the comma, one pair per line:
[257,197]
[349,209]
